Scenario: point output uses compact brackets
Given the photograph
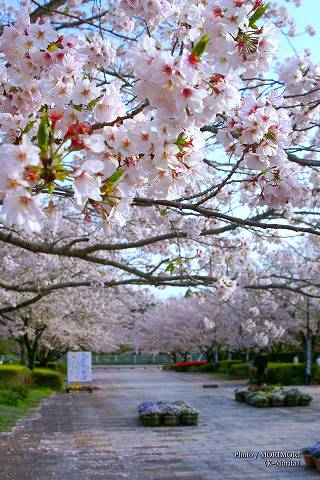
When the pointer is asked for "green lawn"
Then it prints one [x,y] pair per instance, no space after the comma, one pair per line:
[9,415]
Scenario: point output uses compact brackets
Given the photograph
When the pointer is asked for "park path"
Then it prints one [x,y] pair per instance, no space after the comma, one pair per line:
[97,436]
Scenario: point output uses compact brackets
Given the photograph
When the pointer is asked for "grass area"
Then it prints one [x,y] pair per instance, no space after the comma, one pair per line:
[9,414]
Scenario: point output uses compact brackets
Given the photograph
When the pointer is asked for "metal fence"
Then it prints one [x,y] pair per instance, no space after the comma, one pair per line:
[9,359]
[130,359]
[124,359]
[141,359]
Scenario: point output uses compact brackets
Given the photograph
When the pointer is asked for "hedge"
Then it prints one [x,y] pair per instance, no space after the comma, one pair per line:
[61,367]
[283,373]
[224,366]
[44,377]
[206,368]
[239,370]
[15,375]
[284,357]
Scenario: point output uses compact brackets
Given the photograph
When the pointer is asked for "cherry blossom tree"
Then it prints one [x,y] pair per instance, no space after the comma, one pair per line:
[86,318]
[51,304]
[120,121]
[202,323]
[155,143]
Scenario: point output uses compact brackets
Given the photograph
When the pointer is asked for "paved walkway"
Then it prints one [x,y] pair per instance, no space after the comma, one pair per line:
[97,436]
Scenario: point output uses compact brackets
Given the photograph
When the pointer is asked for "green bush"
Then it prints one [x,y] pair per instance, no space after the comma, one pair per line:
[52,365]
[282,373]
[15,375]
[285,357]
[316,374]
[13,395]
[59,366]
[205,368]
[286,373]
[44,377]
[193,368]
[239,370]
[224,366]
[62,367]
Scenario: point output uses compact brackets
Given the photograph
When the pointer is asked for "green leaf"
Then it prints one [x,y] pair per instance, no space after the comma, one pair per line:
[28,127]
[76,107]
[94,102]
[52,47]
[170,268]
[270,136]
[44,133]
[201,46]
[116,175]
[181,140]
[257,14]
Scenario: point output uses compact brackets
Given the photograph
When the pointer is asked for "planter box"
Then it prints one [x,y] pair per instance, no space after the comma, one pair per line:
[309,461]
[305,400]
[240,396]
[317,462]
[291,402]
[170,420]
[150,420]
[189,420]
[277,402]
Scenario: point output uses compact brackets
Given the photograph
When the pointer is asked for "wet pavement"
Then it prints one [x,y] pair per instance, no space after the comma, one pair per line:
[83,436]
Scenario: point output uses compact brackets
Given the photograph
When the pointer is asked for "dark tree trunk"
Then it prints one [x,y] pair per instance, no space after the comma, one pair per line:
[174,357]
[207,355]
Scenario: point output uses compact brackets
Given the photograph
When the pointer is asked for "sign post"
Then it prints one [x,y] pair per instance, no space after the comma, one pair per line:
[79,369]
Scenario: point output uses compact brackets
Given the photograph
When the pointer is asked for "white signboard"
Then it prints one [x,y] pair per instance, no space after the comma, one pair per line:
[79,367]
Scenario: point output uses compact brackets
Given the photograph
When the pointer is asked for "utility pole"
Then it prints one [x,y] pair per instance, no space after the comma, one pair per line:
[308,348]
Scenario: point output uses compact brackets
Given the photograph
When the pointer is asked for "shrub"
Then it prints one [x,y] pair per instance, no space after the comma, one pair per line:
[187,366]
[13,395]
[239,370]
[62,368]
[316,374]
[284,357]
[52,365]
[192,368]
[16,375]
[286,373]
[47,378]
[224,366]
[205,368]
[283,373]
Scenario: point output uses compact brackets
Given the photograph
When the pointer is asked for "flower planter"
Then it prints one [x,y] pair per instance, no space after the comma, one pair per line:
[240,396]
[291,402]
[317,462]
[305,400]
[170,420]
[277,402]
[309,460]
[261,404]
[150,420]
[189,420]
